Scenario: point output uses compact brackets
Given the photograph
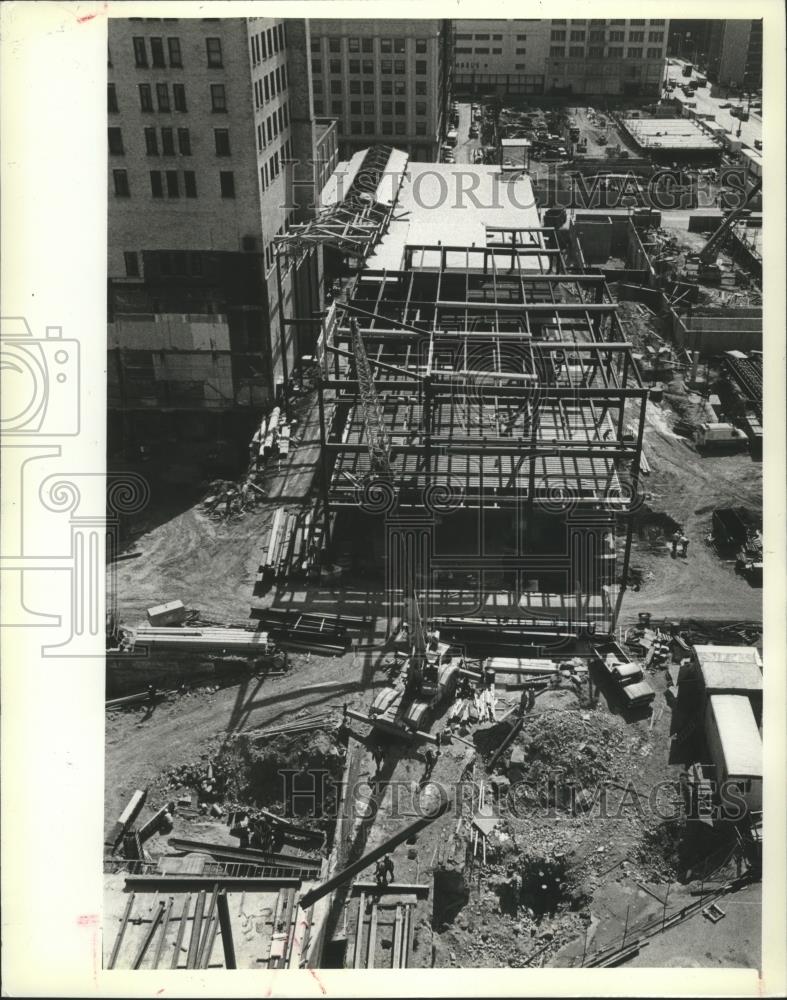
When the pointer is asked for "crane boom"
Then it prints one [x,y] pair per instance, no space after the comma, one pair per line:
[711,250]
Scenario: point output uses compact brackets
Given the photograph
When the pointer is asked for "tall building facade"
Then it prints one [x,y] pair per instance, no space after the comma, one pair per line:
[559,57]
[492,55]
[204,119]
[689,39]
[385,81]
[735,53]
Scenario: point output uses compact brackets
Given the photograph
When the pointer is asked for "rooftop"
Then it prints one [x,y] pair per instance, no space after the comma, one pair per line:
[730,668]
[740,738]
[669,133]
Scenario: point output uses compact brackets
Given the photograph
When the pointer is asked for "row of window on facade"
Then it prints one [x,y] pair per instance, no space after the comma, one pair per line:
[366,44]
[369,66]
[273,166]
[269,86]
[367,87]
[610,36]
[387,127]
[267,43]
[168,145]
[619,20]
[276,122]
[163,103]
[172,55]
[599,52]
[173,182]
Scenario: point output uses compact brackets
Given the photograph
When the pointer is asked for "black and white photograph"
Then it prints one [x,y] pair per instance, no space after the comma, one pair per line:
[418,571]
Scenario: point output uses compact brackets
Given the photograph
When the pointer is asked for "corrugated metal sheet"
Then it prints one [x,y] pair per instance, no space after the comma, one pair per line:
[740,739]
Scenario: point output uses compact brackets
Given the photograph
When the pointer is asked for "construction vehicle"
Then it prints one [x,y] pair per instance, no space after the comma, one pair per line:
[707,268]
[626,675]
[427,680]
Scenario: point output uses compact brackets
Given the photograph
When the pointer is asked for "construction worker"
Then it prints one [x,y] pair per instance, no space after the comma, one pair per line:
[380,873]
[684,546]
[379,757]
[389,867]
[430,758]
[676,536]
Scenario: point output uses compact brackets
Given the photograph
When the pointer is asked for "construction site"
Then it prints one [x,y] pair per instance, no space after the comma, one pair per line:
[463,669]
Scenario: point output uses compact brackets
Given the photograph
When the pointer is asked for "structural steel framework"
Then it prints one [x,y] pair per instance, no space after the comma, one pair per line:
[502,379]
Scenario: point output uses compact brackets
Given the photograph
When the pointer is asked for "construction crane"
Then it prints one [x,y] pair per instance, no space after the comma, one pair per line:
[707,268]
[377,438]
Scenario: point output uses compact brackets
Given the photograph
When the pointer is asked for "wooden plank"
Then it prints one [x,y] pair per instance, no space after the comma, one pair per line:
[121,932]
[359,931]
[164,929]
[397,938]
[370,953]
[181,931]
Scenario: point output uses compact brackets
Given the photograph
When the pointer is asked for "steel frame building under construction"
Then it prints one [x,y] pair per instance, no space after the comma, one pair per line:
[488,399]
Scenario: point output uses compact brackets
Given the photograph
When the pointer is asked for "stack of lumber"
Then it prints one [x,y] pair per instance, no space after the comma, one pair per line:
[289,546]
[308,632]
[515,672]
[210,639]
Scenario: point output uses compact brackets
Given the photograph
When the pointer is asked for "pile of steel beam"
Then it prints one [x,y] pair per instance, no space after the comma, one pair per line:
[307,631]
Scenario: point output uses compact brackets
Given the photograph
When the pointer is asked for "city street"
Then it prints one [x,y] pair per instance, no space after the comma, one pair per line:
[749,131]
[465,146]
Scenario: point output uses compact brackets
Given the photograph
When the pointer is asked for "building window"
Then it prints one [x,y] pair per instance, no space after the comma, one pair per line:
[354,44]
[420,88]
[399,44]
[157,53]
[315,44]
[521,38]
[227,183]
[167,142]
[368,128]
[355,128]
[337,108]
[420,46]
[387,127]
[132,264]
[556,52]
[355,107]
[112,100]
[420,67]
[387,107]
[218,99]
[151,142]
[367,45]
[162,96]
[481,51]
[633,21]
[577,36]
[355,65]
[172,184]
[616,52]
[521,52]
[616,36]
[655,36]
[386,45]
[355,86]
[317,66]
[596,52]
[140,53]
[334,65]
[420,128]
[634,53]
[368,86]
[399,65]
[334,44]
[481,38]
[175,60]
[386,66]
[120,178]
[368,107]
[420,107]
[558,36]
[319,108]
[399,128]
[179,96]
[221,137]
[497,38]
[386,87]
[636,36]
[317,86]
[184,142]
[156,187]
[213,49]
[497,52]
[652,21]
[576,51]
[400,108]
[367,66]
[115,141]
[336,86]
[654,53]
[145,97]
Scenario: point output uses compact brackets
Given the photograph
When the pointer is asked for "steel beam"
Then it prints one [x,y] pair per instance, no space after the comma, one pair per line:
[309,898]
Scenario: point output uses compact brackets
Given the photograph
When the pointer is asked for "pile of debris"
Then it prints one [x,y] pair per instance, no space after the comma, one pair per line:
[226,498]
